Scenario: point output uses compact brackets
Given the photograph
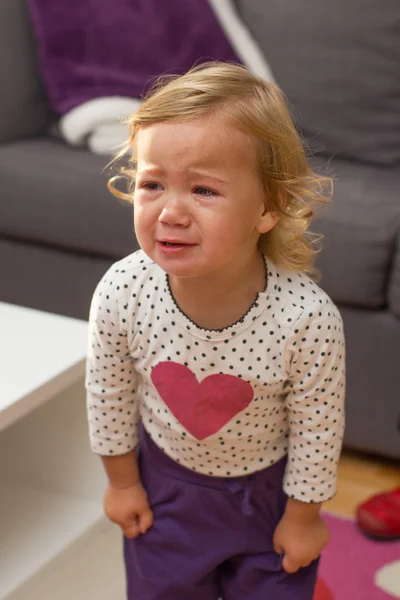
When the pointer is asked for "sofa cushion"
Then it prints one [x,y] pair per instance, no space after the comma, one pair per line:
[361,227]
[49,279]
[24,110]
[54,195]
[339,64]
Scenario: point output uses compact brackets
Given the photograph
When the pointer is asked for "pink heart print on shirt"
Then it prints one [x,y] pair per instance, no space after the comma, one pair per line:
[202,408]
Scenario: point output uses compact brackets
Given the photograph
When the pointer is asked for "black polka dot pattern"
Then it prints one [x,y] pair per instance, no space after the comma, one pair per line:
[289,347]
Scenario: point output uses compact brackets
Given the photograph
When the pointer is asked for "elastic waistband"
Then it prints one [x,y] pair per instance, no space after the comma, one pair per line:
[156,458]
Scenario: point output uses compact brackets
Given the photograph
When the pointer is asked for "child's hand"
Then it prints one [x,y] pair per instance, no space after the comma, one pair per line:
[300,542]
[129,508]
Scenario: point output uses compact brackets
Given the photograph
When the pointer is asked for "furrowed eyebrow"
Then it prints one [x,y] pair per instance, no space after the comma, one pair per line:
[207,175]
[153,170]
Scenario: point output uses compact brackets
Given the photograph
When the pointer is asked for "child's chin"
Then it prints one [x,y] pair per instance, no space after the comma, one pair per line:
[180,270]
[180,273]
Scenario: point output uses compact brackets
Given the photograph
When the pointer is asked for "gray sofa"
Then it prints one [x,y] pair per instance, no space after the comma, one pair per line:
[339,64]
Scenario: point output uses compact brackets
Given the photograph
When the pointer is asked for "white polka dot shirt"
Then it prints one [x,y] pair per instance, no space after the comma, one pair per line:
[220,402]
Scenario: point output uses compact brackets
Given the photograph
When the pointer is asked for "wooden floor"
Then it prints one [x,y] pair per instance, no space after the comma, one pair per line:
[359,477]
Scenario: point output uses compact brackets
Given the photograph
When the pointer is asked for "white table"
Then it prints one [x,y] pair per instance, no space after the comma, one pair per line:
[50,483]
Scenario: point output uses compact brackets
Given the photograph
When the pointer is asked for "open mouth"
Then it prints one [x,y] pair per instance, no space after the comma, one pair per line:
[173,247]
[174,244]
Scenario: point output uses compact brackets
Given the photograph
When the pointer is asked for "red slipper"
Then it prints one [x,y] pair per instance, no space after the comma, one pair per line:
[379,516]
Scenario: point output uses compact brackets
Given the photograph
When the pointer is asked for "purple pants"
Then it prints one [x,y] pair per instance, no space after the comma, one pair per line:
[211,537]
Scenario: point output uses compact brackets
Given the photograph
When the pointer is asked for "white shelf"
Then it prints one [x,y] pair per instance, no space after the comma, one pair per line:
[91,568]
[41,353]
[35,526]
[51,485]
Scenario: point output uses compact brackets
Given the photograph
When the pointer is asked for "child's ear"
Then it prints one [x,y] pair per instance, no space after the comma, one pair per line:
[270,216]
[268,220]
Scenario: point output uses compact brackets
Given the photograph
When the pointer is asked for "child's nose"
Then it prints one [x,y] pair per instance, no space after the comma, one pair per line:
[175,212]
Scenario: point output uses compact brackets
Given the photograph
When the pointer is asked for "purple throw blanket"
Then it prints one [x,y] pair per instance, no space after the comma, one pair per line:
[94,48]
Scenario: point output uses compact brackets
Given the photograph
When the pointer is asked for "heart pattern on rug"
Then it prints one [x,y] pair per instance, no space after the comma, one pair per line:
[203,408]
[388,578]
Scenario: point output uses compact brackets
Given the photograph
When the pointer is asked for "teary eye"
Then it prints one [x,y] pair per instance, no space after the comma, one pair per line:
[202,191]
[151,185]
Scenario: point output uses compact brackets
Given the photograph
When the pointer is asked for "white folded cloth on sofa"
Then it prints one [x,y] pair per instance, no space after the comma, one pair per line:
[98,123]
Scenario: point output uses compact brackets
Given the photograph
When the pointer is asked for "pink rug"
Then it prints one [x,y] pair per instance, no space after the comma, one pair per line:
[356,568]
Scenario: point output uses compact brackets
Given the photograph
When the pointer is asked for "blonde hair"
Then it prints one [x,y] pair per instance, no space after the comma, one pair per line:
[258,108]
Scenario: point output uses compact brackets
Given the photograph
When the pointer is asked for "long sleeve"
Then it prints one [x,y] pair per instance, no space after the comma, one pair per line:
[112,403]
[315,402]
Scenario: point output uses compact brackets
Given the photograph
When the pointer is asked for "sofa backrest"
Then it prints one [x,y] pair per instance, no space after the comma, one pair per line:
[339,64]
[24,110]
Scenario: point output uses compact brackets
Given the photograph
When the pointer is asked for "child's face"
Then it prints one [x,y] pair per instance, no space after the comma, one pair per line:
[199,201]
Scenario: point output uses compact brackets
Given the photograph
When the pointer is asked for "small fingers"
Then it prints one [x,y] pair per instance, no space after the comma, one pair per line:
[292,565]
[278,548]
[289,565]
[145,521]
[131,530]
